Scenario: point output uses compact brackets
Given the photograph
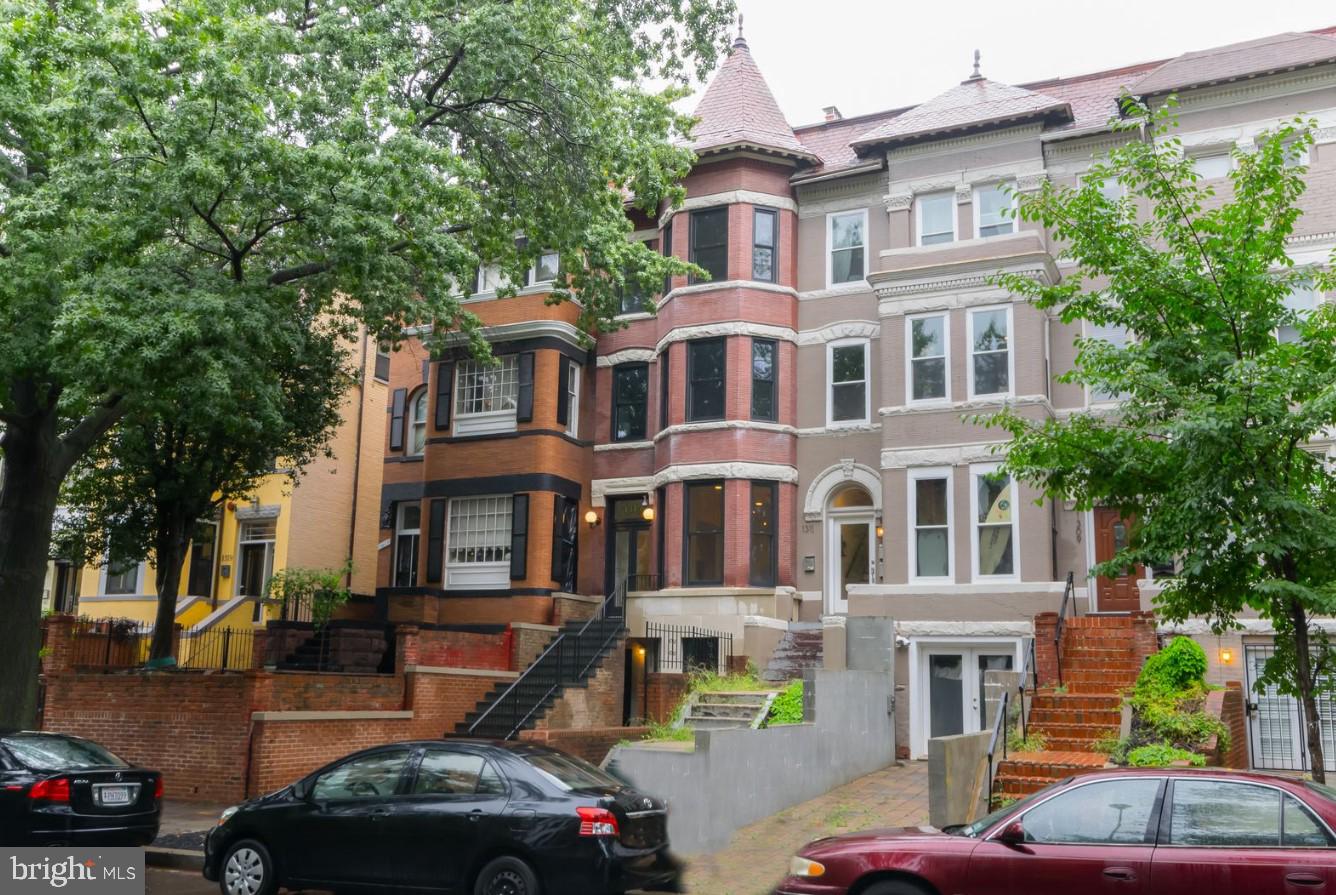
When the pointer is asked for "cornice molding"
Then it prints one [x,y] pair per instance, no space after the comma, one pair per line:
[999,137]
[849,185]
[972,405]
[898,201]
[947,455]
[835,292]
[730,328]
[845,431]
[844,329]
[868,198]
[725,284]
[525,329]
[1254,89]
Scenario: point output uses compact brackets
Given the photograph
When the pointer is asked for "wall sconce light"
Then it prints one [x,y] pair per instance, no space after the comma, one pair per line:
[881,532]
[646,509]
[1226,656]
[591,516]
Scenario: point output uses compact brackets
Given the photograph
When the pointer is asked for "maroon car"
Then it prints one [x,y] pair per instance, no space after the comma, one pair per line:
[1149,831]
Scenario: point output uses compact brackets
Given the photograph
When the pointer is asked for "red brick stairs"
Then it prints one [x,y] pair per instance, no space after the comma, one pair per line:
[1100,658]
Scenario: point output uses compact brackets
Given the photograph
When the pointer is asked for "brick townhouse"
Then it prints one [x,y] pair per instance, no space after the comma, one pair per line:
[785,444]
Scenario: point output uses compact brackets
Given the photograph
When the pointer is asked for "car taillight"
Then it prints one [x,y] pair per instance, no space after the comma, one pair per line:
[57,790]
[157,790]
[596,822]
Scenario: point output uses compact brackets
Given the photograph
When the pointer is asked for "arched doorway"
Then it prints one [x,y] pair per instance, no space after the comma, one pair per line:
[851,544]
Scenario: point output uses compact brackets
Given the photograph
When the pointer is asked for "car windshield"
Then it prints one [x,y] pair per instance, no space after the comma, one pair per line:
[569,772]
[980,826]
[54,753]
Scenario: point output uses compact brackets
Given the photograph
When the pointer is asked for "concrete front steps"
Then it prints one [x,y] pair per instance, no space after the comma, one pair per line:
[1100,660]
[800,649]
[712,711]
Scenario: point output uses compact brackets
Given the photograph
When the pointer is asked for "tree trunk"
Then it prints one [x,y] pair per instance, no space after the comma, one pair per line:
[1303,666]
[169,554]
[29,489]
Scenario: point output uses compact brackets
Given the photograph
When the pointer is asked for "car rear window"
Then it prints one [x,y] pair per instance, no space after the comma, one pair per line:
[569,772]
[53,753]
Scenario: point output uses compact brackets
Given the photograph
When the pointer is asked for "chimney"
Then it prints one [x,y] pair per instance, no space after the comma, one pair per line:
[833,113]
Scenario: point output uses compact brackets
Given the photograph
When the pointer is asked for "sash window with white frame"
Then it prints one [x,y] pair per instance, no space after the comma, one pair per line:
[847,375]
[990,351]
[846,240]
[572,398]
[936,218]
[478,542]
[417,424]
[930,523]
[994,210]
[407,536]
[485,395]
[993,513]
[1302,301]
[929,365]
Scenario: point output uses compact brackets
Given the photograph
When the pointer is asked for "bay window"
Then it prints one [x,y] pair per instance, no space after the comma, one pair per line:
[763,403]
[765,240]
[483,390]
[478,542]
[704,554]
[762,544]
[709,242]
[705,379]
[630,393]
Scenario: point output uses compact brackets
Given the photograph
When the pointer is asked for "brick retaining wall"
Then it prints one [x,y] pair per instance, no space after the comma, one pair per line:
[592,744]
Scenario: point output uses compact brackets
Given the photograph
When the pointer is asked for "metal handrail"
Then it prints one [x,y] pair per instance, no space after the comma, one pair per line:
[1028,668]
[999,724]
[1068,595]
[555,653]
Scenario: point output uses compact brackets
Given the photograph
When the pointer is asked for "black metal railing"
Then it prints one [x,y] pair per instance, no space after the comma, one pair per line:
[295,608]
[1001,724]
[683,648]
[110,642]
[567,659]
[1068,598]
[225,649]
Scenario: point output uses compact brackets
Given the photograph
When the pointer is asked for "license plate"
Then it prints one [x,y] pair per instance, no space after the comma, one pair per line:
[114,795]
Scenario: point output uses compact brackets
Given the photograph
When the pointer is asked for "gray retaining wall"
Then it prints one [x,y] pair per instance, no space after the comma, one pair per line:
[736,777]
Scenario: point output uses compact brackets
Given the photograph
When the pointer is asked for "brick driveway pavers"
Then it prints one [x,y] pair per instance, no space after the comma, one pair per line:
[758,855]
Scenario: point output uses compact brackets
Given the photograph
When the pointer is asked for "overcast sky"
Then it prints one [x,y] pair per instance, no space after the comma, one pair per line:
[868,55]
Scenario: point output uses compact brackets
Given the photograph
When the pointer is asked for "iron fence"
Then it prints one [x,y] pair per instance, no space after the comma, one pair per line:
[125,643]
[222,648]
[684,648]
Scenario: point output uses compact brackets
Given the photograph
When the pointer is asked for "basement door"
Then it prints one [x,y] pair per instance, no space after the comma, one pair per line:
[1276,736]
[951,689]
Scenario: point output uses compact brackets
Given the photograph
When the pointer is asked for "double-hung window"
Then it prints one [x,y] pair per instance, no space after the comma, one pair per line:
[1117,337]
[930,553]
[633,295]
[993,210]
[485,395]
[407,536]
[704,555]
[545,269]
[417,424]
[478,542]
[1212,165]
[936,218]
[847,373]
[765,242]
[709,242]
[630,393]
[990,351]
[490,278]
[763,403]
[122,576]
[1301,302]
[846,247]
[572,397]
[929,368]
[993,513]
[382,371]
[763,515]
[705,380]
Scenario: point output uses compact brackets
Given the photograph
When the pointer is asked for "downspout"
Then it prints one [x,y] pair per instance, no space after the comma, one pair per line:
[357,459]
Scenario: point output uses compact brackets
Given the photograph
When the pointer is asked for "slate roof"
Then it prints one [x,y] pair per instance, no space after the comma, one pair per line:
[974,103]
[1279,52]
[738,109]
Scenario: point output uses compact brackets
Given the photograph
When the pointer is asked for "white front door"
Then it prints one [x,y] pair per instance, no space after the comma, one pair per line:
[850,557]
[951,691]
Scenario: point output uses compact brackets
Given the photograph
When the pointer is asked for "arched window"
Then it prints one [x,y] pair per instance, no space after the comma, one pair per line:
[417,424]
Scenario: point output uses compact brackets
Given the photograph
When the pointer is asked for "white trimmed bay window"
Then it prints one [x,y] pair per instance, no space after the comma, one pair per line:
[993,516]
[485,396]
[478,542]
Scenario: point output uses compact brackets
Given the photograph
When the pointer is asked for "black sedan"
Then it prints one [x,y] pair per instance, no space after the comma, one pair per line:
[453,815]
[65,790]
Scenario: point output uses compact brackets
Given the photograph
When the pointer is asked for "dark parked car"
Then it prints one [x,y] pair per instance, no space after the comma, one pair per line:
[1119,831]
[452,815]
[65,790]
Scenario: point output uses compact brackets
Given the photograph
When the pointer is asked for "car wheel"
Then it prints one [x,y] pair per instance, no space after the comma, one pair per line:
[506,876]
[247,869]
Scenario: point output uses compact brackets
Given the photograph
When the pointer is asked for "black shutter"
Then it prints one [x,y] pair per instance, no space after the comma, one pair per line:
[524,399]
[445,379]
[397,419]
[558,566]
[435,540]
[563,390]
[519,537]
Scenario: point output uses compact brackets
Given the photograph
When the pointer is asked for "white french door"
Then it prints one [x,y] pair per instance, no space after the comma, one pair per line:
[850,557]
[950,691]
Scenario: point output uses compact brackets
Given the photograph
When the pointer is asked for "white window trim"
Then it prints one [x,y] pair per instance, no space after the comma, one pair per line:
[1215,150]
[931,472]
[976,208]
[830,247]
[414,423]
[1090,400]
[918,216]
[831,422]
[483,423]
[140,571]
[969,352]
[271,547]
[909,359]
[977,470]
[477,575]
[400,531]
[573,405]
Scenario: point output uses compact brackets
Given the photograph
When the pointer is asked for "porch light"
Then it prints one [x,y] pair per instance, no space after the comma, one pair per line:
[881,532]
[1226,656]
[591,516]
[646,509]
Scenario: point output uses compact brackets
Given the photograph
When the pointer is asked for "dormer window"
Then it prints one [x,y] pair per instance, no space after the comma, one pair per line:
[993,210]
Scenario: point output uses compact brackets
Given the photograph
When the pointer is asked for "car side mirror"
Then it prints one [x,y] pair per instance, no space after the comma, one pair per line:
[1012,834]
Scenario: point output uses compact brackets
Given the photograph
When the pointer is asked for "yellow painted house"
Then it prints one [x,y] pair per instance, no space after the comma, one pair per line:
[317,520]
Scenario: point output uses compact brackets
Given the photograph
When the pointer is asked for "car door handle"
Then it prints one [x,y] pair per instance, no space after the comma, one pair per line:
[1304,879]
[1120,873]
[378,813]
[475,815]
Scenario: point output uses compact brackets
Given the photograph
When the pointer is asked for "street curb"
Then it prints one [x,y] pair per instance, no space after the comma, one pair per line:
[174,858]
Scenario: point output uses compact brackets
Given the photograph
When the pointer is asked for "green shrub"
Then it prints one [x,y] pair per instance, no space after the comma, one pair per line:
[1035,742]
[787,707]
[1179,666]
[704,681]
[668,733]
[1158,755]
[1114,746]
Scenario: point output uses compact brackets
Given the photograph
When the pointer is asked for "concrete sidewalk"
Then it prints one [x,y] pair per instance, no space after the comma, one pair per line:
[756,859]
[180,841]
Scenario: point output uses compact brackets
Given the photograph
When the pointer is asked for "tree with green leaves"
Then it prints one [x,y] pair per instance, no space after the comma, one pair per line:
[1227,390]
[269,398]
[162,164]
